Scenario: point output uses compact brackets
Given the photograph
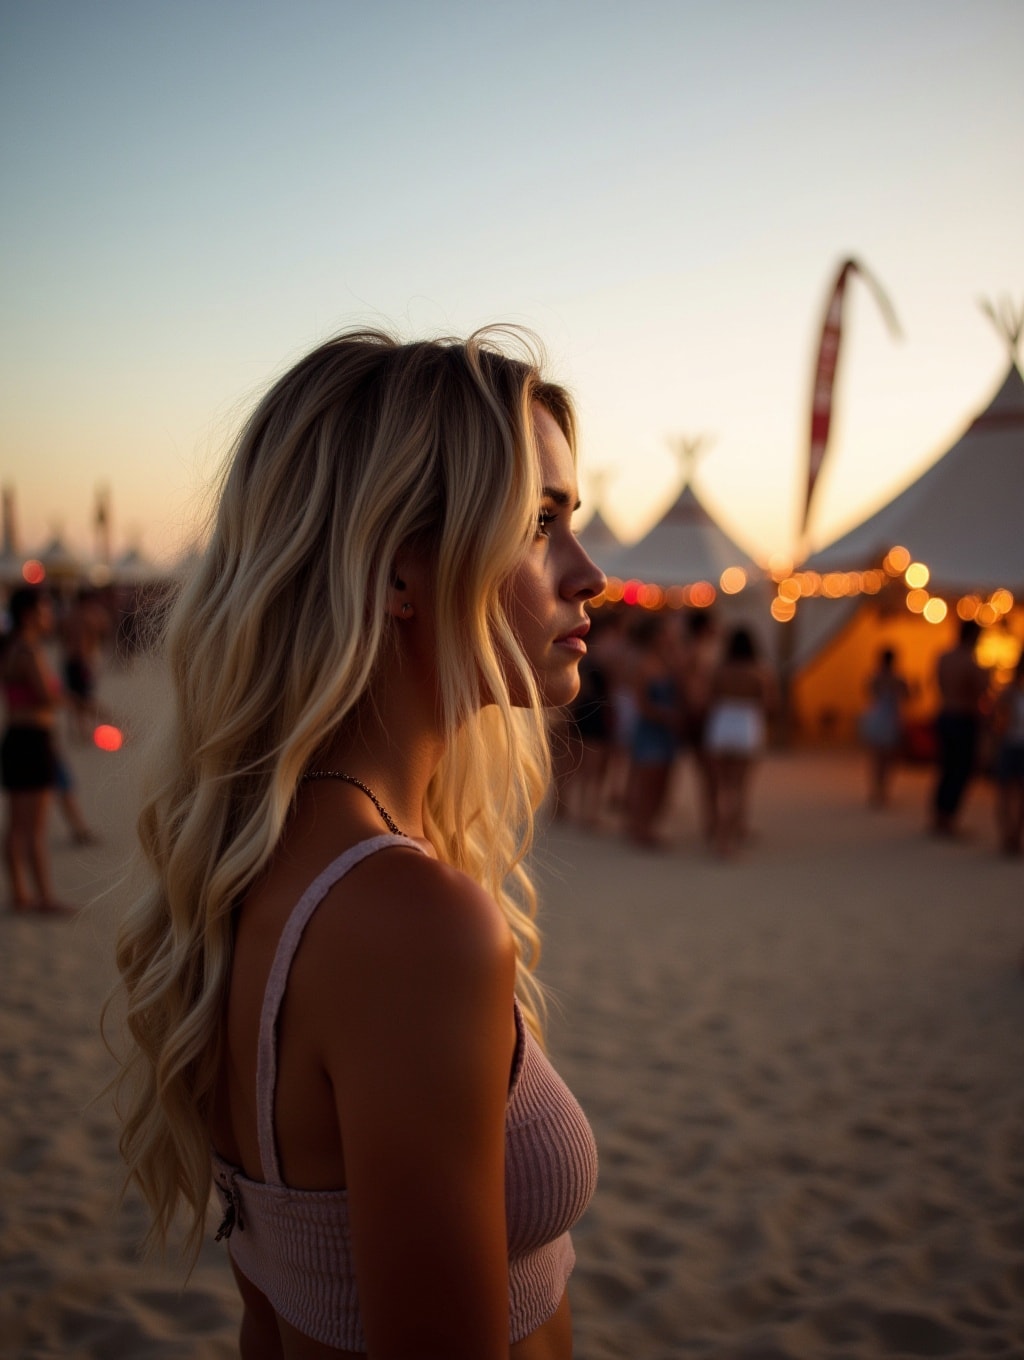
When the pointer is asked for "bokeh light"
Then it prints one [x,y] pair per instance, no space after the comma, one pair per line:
[108,738]
[935,610]
[916,600]
[33,572]
[916,574]
[1001,601]
[896,561]
[790,589]
[732,580]
[783,610]
[702,594]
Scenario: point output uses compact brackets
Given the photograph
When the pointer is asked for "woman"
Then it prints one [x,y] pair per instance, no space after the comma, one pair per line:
[742,693]
[28,759]
[881,724]
[655,729]
[320,982]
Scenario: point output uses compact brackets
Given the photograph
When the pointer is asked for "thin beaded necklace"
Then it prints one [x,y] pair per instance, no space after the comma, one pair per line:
[386,816]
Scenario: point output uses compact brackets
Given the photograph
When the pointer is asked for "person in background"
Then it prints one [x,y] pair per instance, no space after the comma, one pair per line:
[881,724]
[963,685]
[656,728]
[698,662]
[28,758]
[593,718]
[1009,721]
[742,695]
[333,1016]
[83,631]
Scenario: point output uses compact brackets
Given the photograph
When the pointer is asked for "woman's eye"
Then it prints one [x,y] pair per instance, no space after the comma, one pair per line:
[544,519]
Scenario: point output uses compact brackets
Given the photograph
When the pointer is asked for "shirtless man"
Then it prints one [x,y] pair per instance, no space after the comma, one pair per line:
[962,686]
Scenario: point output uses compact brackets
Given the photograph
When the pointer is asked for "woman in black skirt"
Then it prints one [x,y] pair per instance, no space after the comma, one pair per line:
[28,761]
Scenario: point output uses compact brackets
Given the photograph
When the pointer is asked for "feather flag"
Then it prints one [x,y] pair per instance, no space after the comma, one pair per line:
[825,369]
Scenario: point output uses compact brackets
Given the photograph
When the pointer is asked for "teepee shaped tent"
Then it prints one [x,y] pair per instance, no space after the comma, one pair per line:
[686,545]
[601,541]
[964,517]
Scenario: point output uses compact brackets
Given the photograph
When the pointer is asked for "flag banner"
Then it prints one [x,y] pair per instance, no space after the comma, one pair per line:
[825,370]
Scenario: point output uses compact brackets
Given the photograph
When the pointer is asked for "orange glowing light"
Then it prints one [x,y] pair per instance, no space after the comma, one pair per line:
[998,648]
[986,615]
[613,590]
[779,566]
[675,597]
[810,582]
[833,584]
[1001,601]
[935,610]
[916,600]
[790,589]
[33,572]
[702,594]
[732,580]
[650,597]
[896,561]
[872,581]
[967,606]
[782,610]
[108,738]
[916,574]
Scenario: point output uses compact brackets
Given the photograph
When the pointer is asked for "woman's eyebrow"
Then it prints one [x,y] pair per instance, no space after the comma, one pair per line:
[560,497]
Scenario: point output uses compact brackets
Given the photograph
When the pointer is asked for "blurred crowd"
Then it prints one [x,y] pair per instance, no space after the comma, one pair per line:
[655,688]
[660,691]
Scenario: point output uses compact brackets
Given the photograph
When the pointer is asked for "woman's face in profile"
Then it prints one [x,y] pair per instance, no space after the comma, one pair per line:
[547,592]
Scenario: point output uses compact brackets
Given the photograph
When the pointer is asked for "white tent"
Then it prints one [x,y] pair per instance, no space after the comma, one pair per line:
[685,546]
[963,517]
[601,541]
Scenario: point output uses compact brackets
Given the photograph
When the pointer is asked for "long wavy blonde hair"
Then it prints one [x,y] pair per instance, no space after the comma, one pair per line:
[365,446]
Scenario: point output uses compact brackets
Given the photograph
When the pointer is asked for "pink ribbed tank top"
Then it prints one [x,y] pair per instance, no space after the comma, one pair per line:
[295,1245]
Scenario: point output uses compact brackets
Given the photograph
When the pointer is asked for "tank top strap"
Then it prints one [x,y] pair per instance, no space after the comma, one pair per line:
[266,1057]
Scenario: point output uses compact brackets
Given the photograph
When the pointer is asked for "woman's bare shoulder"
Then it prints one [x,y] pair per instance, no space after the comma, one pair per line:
[400,909]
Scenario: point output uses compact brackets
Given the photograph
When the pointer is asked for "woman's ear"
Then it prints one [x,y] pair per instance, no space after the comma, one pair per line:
[407,575]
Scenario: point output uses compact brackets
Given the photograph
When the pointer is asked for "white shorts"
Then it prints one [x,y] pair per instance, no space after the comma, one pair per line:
[735,728]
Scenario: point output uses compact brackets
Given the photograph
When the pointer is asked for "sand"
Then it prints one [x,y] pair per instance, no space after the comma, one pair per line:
[803,1069]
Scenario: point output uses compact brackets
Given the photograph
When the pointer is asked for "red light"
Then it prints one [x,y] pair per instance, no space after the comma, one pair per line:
[631,592]
[34,572]
[108,738]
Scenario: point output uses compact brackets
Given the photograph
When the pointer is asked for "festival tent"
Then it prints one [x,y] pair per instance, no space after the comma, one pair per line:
[601,541]
[963,521]
[685,546]
[964,517]
[688,560]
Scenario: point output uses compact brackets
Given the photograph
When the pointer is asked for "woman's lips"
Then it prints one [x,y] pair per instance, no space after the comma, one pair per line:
[574,640]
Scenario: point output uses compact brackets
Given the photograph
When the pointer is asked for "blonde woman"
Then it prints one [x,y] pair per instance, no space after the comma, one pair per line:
[334,1018]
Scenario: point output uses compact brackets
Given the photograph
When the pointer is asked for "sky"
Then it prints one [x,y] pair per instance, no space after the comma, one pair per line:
[196,193]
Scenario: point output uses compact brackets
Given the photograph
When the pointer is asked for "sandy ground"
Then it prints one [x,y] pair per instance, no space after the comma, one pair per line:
[804,1070]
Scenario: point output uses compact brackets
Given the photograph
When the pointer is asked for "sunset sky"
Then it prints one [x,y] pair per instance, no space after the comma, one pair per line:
[196,192]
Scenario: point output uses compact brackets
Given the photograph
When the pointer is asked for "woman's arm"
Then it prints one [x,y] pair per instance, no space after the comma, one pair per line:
[419,1050]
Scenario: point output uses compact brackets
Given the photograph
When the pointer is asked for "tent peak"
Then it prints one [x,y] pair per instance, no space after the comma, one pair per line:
[1008,319]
